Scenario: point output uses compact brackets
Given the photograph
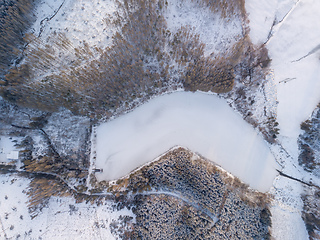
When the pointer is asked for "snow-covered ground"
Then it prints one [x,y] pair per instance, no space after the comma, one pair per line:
[217,33]
[8,151]
[293,45]
[69,139]
[261,15]
[290,29]
[62,219]
[80,20]
[200,122]
[298,76]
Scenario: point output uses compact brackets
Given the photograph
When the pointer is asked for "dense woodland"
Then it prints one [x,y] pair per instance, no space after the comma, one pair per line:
[213,205]
[144,60]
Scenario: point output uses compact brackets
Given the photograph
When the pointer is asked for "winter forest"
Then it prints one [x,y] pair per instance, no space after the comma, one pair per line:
[159,119]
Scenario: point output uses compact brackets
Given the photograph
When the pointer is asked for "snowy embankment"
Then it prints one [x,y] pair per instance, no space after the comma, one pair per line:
[290,29]
[200,122]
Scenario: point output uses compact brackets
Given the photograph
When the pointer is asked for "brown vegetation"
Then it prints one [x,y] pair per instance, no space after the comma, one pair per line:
[225,8]
[15,19]
[40,191]
[145,59]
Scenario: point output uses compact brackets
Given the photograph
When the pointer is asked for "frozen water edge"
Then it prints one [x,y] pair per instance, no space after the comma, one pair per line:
[200,122]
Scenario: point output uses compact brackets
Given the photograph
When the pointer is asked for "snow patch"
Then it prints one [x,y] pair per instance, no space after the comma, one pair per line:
[217,33]
[261,16]
[80,20]
[8,151]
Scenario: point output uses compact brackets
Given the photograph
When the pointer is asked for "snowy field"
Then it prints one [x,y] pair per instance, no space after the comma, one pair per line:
[80,20]
[200,122]
[7,149]
[217,33]
[294,48]
[63,218]
[290,29]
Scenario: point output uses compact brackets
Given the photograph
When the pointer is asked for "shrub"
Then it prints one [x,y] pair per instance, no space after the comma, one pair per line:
[145,59]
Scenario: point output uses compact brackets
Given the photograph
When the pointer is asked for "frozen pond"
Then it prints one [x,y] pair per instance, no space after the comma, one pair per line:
[200,122]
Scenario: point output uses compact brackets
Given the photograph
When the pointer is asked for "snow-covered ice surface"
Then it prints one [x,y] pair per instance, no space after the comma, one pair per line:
[293,44]
[62,219]
[200,122]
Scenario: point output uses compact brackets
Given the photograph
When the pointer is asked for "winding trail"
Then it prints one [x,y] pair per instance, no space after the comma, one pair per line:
[49,18]
[112,196]
[213,217]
